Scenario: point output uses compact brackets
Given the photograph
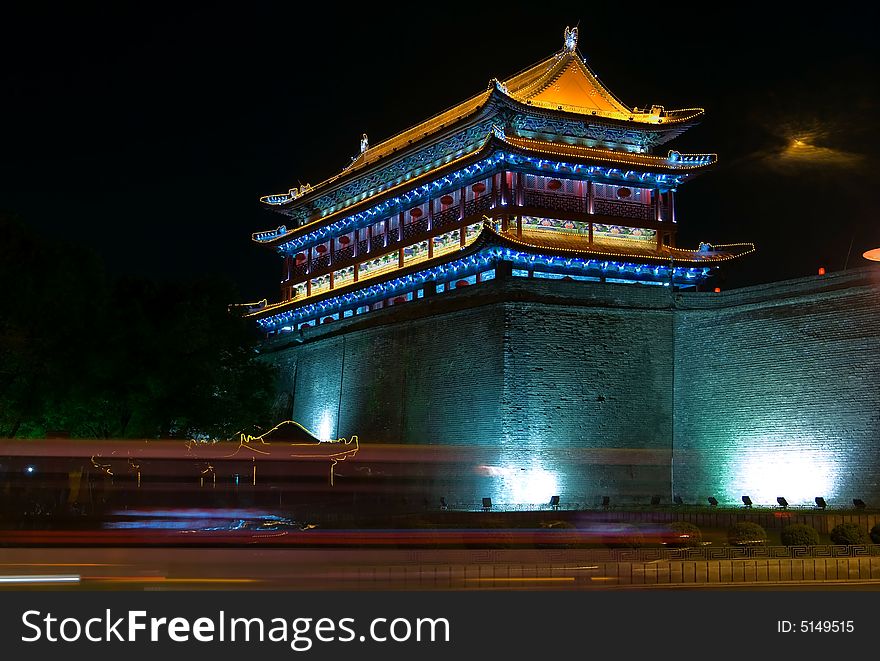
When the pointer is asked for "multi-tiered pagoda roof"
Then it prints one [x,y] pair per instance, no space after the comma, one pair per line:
[546,171]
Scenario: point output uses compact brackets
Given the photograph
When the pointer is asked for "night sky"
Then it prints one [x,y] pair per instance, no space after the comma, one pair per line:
[149,133]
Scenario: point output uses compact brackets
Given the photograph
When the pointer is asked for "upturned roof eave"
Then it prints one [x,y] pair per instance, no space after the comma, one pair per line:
[495,97]
[491,144]
[488,238]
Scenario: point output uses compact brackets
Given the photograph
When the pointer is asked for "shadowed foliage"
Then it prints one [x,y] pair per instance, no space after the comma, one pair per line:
[101,358]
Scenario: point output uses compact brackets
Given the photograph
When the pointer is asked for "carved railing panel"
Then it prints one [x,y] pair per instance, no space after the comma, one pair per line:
[446,218]
[622,209]
[343,254]
[480,205]
[554,201]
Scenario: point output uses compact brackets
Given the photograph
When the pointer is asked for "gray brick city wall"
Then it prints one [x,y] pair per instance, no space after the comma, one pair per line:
[543,387]
[777,392]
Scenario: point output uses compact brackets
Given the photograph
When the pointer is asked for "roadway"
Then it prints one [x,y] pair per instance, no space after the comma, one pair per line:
[338,569]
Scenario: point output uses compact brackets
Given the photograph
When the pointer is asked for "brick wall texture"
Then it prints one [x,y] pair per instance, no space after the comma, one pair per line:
[543,387]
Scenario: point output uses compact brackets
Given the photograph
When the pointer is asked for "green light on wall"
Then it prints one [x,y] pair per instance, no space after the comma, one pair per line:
[766,468]
[325,426]
[521,480]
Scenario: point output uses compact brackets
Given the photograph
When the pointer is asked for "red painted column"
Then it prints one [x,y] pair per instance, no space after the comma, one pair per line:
[400,228]
[430,228]
[332,250]
[461,231]
[520,189]
[590,195]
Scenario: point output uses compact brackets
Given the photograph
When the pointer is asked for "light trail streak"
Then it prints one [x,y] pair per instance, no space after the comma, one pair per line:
[39,579]
[523,579]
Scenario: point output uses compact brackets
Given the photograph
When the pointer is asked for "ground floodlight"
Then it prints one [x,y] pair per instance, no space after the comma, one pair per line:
[677,500]
[713,501]
[443,504]
[747,501]
[554,502]
[820,502]
[783,503]
[487,503]
[859,503]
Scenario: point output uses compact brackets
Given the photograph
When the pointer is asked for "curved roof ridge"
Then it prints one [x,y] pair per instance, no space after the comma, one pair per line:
[527,86]
[561,82]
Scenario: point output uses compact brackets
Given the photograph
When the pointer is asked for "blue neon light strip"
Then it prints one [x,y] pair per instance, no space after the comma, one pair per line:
[480,261]
[448,183]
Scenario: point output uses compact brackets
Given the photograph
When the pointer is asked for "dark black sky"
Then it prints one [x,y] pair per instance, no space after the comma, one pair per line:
[149,132]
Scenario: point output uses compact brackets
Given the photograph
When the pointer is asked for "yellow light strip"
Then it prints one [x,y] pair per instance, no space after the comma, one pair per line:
[403,139]
[410,183]
[513,239]
[438,252]
[677,254]
[558,149]
[522,579]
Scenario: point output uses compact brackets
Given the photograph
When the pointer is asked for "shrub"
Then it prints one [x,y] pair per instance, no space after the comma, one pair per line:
[747,533]
[682,533]
[800,534]
[849,534]
[875,534]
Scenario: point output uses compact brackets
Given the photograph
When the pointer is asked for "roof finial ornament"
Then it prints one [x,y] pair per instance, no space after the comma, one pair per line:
[571,38]
[365,143]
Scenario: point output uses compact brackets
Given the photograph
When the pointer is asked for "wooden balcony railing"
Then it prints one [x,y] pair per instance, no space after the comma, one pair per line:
[622,209]
[555,201]
[534,202]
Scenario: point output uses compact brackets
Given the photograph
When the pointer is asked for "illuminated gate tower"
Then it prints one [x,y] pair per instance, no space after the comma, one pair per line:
[544,175]
[422,301]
